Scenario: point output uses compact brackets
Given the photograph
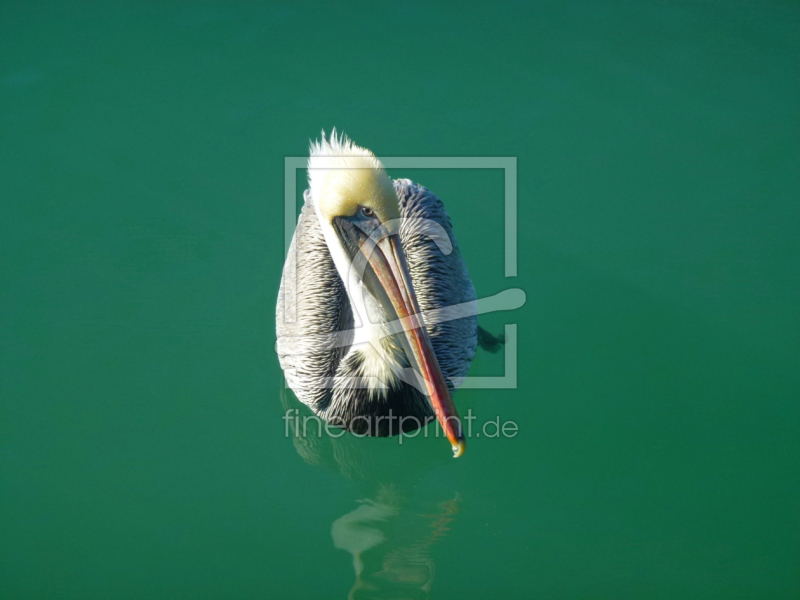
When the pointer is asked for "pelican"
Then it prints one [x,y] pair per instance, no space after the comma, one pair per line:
[372,260]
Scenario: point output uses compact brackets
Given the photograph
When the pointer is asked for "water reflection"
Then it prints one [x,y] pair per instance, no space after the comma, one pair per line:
[391,530]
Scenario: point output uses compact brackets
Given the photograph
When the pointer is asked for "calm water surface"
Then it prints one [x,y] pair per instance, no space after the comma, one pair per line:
[141,244]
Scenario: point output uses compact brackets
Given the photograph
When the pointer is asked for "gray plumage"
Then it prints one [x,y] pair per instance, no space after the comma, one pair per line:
[313,307]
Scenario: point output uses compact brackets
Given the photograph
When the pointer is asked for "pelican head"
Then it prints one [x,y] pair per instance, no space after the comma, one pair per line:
[359,214]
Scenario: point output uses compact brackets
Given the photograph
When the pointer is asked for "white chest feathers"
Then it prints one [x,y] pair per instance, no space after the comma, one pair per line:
[382,358]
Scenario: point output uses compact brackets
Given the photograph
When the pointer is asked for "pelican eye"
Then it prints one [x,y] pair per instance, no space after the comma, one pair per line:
[366,211]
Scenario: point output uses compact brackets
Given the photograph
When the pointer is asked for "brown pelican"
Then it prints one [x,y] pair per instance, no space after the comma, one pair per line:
[370,260]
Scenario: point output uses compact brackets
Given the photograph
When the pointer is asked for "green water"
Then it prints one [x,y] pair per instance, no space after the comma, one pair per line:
[141,242]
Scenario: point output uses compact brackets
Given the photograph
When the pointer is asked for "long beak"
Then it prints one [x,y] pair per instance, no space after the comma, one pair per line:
[388,261]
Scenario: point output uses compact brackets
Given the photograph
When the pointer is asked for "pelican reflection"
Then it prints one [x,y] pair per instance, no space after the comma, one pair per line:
[392,530]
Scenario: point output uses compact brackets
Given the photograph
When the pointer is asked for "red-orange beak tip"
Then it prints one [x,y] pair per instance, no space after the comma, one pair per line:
[459,447]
